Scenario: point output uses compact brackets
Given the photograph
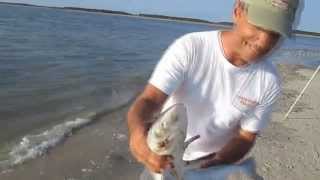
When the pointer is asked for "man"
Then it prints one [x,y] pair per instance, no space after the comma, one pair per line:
[224,81]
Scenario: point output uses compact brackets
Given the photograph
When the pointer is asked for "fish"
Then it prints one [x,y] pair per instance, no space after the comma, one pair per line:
[167,136]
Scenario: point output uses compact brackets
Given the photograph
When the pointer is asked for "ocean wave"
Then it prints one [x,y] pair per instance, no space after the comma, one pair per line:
[32,146]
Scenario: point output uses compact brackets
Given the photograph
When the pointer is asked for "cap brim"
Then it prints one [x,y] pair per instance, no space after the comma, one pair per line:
[276,21]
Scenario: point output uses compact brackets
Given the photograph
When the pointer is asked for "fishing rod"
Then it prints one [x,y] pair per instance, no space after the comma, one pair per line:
[302,92]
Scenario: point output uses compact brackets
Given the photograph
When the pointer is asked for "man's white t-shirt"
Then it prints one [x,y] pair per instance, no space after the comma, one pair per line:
[219,96]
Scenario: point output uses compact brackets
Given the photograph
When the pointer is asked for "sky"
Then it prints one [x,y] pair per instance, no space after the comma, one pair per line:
[212,10]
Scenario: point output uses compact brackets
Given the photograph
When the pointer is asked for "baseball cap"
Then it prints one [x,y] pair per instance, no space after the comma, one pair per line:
[274,15]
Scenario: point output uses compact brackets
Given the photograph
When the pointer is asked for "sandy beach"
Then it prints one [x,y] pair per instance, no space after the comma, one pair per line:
[287,149]
[290,149]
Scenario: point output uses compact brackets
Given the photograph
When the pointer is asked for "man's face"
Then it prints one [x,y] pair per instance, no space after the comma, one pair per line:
[254,42]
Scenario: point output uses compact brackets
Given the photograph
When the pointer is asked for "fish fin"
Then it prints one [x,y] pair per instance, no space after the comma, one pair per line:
[190,140]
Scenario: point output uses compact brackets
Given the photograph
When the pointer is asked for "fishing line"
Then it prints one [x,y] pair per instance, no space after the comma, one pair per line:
[302,92]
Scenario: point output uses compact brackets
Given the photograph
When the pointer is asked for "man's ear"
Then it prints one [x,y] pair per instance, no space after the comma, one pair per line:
[237,13]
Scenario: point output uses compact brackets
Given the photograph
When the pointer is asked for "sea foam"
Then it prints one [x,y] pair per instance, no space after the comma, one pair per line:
[32,146]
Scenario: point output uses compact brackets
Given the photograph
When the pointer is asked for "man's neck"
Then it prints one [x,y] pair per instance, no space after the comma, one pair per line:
[230,43]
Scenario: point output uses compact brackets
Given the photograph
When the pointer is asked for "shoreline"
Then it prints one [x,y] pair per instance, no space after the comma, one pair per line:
[157,17]
[173,20]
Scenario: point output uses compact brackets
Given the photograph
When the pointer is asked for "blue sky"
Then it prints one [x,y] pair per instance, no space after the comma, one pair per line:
[212,10]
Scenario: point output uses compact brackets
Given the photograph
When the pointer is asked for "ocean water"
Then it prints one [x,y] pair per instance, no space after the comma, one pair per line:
[60,69]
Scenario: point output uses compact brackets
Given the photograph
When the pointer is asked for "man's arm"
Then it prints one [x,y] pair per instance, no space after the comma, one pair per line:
[138,118]
[233,151]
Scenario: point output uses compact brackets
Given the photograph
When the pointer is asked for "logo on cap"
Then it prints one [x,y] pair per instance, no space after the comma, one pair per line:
[282,4]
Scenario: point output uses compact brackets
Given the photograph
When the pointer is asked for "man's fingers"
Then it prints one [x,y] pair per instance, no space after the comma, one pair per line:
[170,165]
[168,158]
[158,164]
[151,160]
[154,167]
[167,162]
[159,169]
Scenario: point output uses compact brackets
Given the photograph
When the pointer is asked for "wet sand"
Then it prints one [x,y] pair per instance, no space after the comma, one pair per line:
[287,149]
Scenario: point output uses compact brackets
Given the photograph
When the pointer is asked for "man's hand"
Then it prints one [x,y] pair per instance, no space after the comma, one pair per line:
[233,151]
[139,116]
[144,155]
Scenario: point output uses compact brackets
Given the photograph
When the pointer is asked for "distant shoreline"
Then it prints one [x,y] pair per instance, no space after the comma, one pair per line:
[158,17]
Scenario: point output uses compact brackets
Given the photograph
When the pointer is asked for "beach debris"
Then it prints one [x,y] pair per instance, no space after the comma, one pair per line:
[316,154]
[67,178]
[107,156]
[92,163]
[290,166]
[86,170]
[167,137]
[119,136]
[6,171]
[267,166]
[41,173]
